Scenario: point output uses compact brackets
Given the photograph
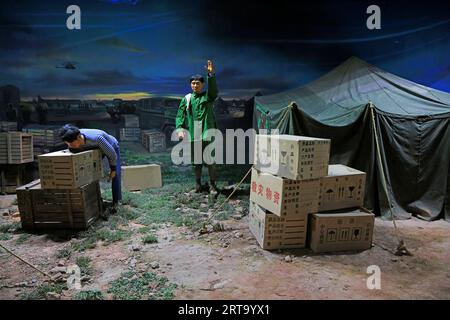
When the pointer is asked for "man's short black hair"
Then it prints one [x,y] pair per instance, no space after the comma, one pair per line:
[198,77]
[69,133]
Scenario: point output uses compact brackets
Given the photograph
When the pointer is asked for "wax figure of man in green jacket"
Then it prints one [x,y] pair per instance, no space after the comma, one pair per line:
[196,109]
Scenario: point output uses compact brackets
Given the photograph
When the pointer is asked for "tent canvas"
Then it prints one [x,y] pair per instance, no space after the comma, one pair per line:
[395,130]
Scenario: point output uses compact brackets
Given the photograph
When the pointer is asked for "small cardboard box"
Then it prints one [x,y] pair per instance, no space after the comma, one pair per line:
[141,177]
[273,232]
[342,188]
[283,196]
[341,231]
[67,170]
[292,157]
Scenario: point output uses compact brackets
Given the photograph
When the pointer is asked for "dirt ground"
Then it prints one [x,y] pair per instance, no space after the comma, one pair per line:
[230,265]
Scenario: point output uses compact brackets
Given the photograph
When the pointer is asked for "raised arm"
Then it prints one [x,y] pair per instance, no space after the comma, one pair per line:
[212,91]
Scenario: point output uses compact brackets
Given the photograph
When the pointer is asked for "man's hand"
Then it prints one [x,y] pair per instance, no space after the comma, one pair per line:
[210,67]
[112,175]
[181,134]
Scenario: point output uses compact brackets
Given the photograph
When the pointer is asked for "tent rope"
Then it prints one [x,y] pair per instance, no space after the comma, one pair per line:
[401,248]
[226,200]
[26,262]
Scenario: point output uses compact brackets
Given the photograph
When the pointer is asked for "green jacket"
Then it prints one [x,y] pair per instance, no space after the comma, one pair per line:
[201,110]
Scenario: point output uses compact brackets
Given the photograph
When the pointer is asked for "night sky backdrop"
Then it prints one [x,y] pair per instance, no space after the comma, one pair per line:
[133,49]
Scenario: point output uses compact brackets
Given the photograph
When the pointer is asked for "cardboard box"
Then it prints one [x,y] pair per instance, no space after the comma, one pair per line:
[273,232]
[292,157]
[58,209]
[141,177]
[16,148]
[67,170]
[341,231]
[342,188]
[283,196]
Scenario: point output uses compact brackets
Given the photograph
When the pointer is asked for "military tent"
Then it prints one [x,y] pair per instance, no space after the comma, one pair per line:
[395,130]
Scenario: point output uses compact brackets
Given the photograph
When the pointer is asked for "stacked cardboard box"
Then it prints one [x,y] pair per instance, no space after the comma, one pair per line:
[285,188]
[350,229]
[342,223]
[45,138]
[153,140]
[295,194]
[68,193]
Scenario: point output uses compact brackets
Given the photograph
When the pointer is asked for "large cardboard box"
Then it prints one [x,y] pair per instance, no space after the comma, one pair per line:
[58,209]
[141,177]
[342,188]
[341,231]
[283,196]
[273,232]
[67,170]
[292,157]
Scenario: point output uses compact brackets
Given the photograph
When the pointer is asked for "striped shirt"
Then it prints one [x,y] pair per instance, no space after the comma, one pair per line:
[100,139]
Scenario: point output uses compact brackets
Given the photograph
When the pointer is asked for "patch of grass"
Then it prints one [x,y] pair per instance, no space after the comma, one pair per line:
[5,236]
[110,236]
[85,244]
[23,238]
[64,253]
[41,291]
[89,295]
[10,227]
[146,286]
[150,238]
[85,265]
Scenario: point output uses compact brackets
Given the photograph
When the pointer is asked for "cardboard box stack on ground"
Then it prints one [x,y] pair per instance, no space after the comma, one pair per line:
[45,138]
[68,193]
[141,177]
[284,194]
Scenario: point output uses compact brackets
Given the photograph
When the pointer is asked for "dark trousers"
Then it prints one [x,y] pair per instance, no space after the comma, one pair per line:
[116,183]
